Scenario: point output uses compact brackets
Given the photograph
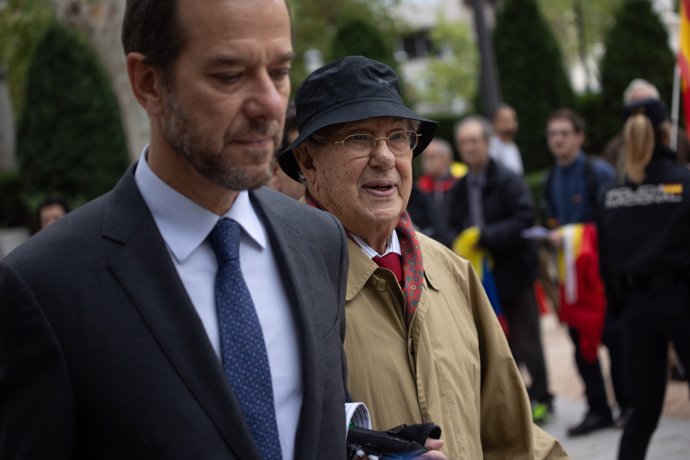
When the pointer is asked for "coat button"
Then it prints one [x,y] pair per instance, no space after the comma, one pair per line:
[381,285]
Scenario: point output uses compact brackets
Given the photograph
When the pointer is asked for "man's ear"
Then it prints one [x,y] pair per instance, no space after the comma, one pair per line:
[146,83]
[581,137]
[305,159]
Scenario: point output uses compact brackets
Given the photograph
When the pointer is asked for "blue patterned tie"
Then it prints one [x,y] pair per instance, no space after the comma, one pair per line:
[243,350]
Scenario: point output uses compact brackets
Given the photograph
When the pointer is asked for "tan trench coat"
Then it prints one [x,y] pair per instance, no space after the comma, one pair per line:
[451,366]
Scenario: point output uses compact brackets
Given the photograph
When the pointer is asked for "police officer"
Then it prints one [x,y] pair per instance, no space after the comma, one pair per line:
[644,237]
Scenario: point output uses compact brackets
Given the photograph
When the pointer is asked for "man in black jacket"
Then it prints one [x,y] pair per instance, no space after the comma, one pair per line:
[498,202]
[119,334]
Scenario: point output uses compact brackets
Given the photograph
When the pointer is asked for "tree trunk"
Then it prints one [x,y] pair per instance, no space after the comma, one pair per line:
[8,161]
[489,85]
[101,21]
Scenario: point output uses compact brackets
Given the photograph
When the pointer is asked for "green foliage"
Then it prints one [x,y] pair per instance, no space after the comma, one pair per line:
[357,34]
[316,22]
[535,182]
[597,17]
[452,75]
[589,107]
[22,24]
[70,138]
[14,211]
[532,75]
[636,47]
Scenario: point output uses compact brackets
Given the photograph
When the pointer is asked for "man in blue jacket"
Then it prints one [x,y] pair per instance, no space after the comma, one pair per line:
[571,189]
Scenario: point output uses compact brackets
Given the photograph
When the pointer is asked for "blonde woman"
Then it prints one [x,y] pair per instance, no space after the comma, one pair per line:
[644,235]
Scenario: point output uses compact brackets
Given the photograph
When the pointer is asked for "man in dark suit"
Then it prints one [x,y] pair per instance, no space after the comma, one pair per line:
[495,200]
[114,328]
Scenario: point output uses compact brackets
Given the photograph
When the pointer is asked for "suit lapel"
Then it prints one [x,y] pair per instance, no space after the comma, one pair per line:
[146,273]
[290,249]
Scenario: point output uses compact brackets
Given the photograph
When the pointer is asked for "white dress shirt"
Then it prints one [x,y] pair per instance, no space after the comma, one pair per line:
[184,225]
[393,246]
[506,154]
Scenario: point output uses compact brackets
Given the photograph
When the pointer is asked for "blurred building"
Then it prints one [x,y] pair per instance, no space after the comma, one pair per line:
[416,47]
[421,16]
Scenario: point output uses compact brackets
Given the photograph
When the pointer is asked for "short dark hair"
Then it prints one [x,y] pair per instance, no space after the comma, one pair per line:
[53,199]
[501,106]
[152,28]
[569,115]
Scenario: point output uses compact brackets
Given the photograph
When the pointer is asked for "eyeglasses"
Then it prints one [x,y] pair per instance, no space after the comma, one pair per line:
[558,132]
[399,142]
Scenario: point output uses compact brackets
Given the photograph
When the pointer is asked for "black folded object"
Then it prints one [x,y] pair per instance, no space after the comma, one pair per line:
[403,442]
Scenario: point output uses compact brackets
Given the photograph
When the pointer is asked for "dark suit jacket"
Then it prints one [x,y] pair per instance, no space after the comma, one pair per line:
[103,356]
[508,209]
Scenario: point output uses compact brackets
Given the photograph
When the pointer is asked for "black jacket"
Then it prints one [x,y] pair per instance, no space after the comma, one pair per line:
[102,354]
[508,209]
[644,230]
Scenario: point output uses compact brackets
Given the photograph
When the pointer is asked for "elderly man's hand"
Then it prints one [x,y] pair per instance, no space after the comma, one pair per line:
[555,238]
[434,453]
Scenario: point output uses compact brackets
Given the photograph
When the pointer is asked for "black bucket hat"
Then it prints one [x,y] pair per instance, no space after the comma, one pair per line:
[349,89]
[654,109]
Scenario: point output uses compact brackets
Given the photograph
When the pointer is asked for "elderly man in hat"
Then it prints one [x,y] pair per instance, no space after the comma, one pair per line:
[422,342]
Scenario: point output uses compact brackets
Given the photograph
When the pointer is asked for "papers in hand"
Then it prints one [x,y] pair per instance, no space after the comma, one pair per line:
[535,233]
[357,414]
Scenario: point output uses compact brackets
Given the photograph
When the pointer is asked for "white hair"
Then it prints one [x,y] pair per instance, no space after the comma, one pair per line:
[640,84]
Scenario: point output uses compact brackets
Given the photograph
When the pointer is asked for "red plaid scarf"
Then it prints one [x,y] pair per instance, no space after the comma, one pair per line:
[413,268]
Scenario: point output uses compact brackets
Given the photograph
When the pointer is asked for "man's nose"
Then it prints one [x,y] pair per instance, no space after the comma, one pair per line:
[381,155]
[267,98]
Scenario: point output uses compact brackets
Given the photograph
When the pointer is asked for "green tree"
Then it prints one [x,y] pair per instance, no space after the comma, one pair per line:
[532,75]
[450,75]
[315,24]
[357,34]
[581,24]
[70,138]
[636,47]
[22,24]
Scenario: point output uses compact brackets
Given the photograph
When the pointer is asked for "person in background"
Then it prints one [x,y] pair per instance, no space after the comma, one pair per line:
[435,182]
[644,236]
[420,209]
[189,313]
[640,89]
[422,342]
[51,209]
[496,202]
[571,189]
[279,180]
[502,147]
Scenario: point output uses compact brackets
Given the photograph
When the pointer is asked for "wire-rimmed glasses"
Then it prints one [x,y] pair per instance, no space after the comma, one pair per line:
[399,142]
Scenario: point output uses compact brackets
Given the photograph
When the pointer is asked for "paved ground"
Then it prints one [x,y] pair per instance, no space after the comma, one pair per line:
[671,441]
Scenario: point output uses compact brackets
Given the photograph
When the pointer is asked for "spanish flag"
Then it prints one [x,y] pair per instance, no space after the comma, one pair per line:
[467,245]
[582,295]
[684,58]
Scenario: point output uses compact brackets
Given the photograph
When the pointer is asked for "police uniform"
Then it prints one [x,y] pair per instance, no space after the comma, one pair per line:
[644,237]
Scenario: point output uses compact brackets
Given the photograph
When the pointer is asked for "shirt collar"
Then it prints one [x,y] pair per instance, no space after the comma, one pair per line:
[393,246]
[579,159]
[184,224]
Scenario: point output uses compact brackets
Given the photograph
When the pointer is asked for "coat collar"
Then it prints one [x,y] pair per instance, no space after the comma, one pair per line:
[362,268]
[146,273]
[291,249]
